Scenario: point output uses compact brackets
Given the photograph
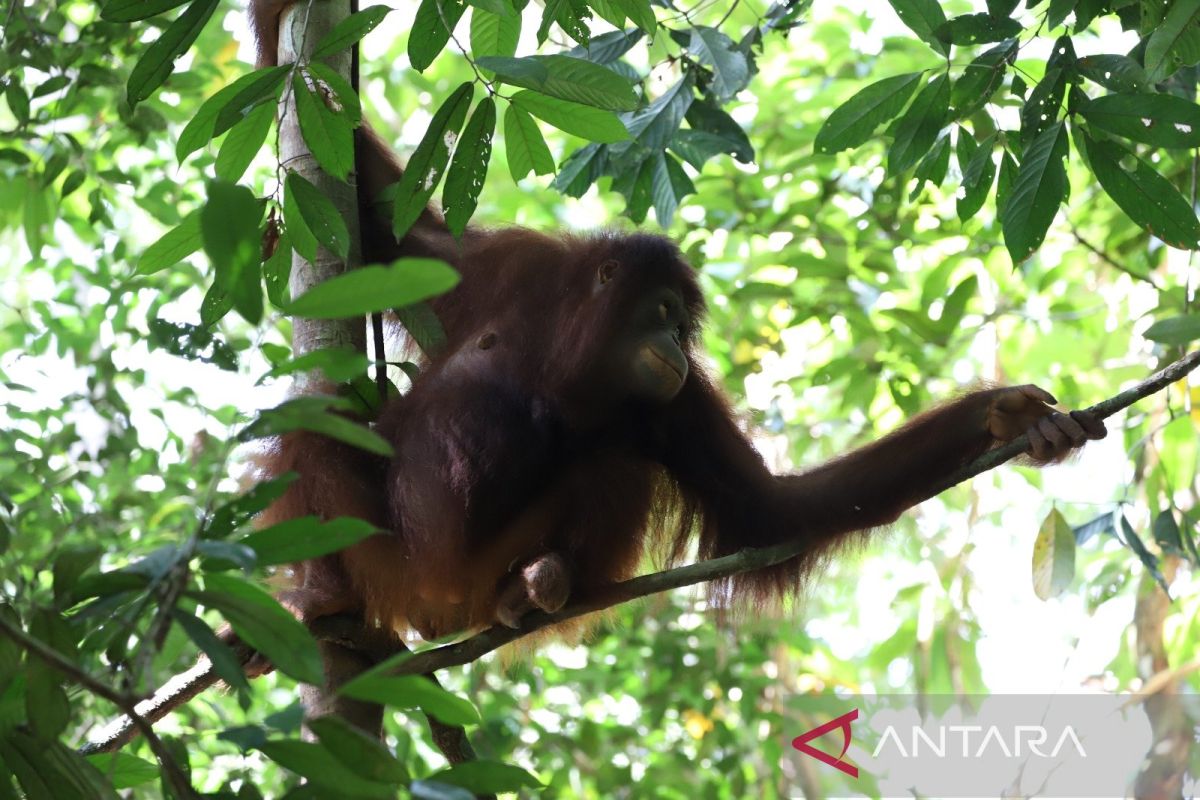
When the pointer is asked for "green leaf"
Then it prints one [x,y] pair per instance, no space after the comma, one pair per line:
[349,31]
[319,214]
[263,88]
[571,79]
[328,134]
[306,537]
[1039,189]
[173,246]
[731,72]
[1146,197]
[1166,533]
[669,184]
[429,160]
[423,326]
[339,364]
[706,117]
[134,10]
[412,691]
[978,175]
[124,770]
[259,621]
[277,270]
[1058,11]
[1175,330]
[854,121]
[981,79]
[970,29]
[918,128]
[1159,119]
[158,60]
[375,288]
[468,168]
[593,124]
[1114,72]
[487,777]
[640,13]
[932,168]
[1053,557]
[229,228]
[1175,41]
[922,17]
[220,655]
[655,125]
[1134,543]
[200,128]
[570,15]
[315,763]
[494,34]
[525,148]
[608,47]
[244,141]
[431,30]
[18,101]
[354,749]
[339,96]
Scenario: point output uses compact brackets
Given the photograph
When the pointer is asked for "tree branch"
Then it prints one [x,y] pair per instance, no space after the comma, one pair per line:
[57,660]
[353,634]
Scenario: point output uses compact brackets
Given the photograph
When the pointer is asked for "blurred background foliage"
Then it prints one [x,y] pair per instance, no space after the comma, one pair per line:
[841,302]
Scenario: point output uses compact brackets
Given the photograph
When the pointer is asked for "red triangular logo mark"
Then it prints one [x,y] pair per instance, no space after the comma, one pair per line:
[801,743]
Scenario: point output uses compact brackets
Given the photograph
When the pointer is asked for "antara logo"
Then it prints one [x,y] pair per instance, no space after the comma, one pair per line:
[801,743]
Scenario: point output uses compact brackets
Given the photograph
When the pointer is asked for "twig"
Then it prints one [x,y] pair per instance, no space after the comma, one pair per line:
[171,769]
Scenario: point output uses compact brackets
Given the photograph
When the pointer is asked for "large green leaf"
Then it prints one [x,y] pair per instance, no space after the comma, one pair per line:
[328,134]
[468,168]
[375,288]
[134,10]
[1159,119]
[918,128]
[316,763]
[262,623]
[730,70]
[494,34]
[1114,72]
[1146,197]
[320,215]
[981,79]
[429,160]
[413,691]
[229,105]
[350,30]
[1175,41]
[229,229]
[854,121]
[431,30]
[173,246]
[158,60]
[923,17]
[567,78]
[525,148]
[306,537]
[244,141]
[970,29]
[1038,191]
[1175,330]
[655,125]
[593,124]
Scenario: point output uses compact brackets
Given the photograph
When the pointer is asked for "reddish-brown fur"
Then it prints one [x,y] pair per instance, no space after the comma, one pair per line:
[521,472]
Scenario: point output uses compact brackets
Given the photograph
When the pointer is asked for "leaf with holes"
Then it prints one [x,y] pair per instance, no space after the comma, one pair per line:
[429,160]
[1159,119]
[1113,72]
[328,134]
[319,214]
[1146,197]
[970,29]
[468,168]
[431,30]
[981,79]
